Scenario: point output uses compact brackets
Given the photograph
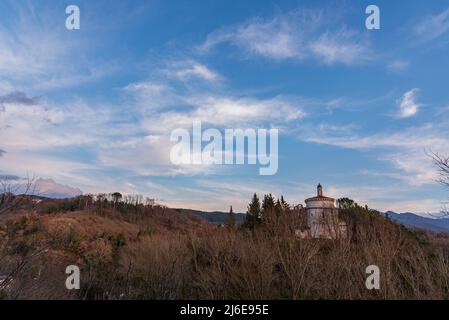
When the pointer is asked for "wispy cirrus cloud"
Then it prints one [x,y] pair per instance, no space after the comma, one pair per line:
[344,47]
[405,150]
[272,38]
[33,124]
[398,66]
[132,138]
[301,35]
[124,142]
[189,69]
[148,153]
[38,53]
[433,26]
[229,111]
[396,198]
[238,193]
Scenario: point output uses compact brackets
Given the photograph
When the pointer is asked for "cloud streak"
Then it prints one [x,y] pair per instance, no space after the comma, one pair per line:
[434,26]
[299,36]
[38,53]
[405,150]
[187,70]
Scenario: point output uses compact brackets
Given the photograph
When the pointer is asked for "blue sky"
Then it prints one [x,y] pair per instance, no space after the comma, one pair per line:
[356,108]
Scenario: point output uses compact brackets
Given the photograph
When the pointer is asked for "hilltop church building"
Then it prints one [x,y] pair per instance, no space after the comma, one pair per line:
[322,218]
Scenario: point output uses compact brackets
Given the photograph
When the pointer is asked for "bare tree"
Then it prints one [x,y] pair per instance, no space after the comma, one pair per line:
[12,192]
[443,167]
[442,163]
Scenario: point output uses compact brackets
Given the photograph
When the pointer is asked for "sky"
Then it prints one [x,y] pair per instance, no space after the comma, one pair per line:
[357,110]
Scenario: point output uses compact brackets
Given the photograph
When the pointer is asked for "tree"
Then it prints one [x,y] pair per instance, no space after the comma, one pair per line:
[345,203]
[285,206]
[442,163]
[150,201]
[231,219]
[13,192]
[116,197]
[101,201]
[253,214]
[268,203]
[278,207]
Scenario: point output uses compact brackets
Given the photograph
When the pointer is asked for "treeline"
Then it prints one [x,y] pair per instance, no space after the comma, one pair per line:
[131,207]
[258,212]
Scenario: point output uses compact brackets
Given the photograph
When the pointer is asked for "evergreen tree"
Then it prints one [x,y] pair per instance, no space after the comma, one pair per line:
[278,207]
[346,203]
[268,207]
[268,202]
[253,214]
[231,219]
[285,206]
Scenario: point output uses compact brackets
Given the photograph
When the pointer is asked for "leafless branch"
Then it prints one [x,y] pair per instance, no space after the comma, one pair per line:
[12,192]
[442,163]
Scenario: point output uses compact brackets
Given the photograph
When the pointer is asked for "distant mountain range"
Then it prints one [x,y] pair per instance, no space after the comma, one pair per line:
[412,220]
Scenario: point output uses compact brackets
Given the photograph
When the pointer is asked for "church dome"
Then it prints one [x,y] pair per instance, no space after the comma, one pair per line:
[320,201]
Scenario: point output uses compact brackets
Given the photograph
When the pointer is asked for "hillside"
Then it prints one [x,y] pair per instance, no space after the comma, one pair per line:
[131,250]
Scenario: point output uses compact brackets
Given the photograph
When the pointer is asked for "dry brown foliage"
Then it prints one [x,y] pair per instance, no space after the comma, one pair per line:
[155,253]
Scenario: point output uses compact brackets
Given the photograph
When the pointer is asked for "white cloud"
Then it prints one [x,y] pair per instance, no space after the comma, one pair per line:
[161,109]
[148,153]
[25,163]
[49,188]
[398,66]
[227,112]
[5,87]
[405,150]
[340,47]
[213,195]
[273,39]
[152,95]
[190,69]
[442,110]
[434,26]
[408,106]
[385,198]
[230,111]
[34,124]
[38,54]
[208,194]
[132,138]
[299,35]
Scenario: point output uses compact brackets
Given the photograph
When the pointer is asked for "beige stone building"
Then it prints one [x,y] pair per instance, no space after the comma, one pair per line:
[322,218]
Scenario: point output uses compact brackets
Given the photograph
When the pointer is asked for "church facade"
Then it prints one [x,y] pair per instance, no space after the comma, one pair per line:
[322,218]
